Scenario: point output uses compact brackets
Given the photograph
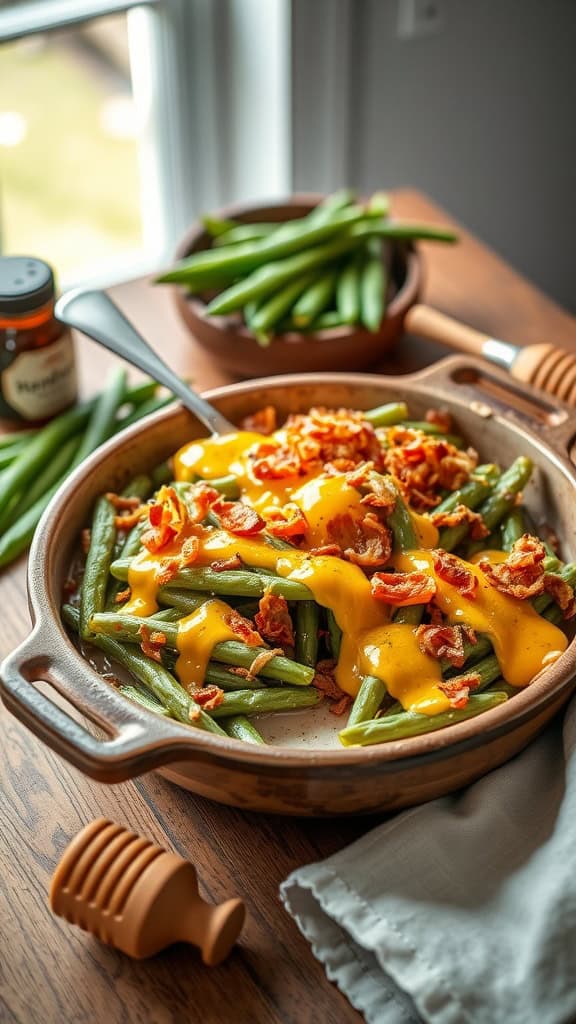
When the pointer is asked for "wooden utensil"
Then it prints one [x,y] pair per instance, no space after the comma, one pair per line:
[543,365]
[137,897]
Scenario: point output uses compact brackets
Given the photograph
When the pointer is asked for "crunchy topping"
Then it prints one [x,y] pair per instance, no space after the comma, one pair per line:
[262,659]
[425,465]
[286,522]
[366,542]
[243,628]
[440,418]
[263,421]
[458,690]
[561,592]
[168,516]
[239,519]
[123,595]
[273,620]
[522,574]
[403,588]
[462,514]
[325,681]
[207,697]
[122,504]
[445,642]
[85,540]
[455,572]
[224,564]
[152,643]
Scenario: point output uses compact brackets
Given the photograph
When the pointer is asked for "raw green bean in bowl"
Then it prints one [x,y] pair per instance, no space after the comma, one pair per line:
[309,284]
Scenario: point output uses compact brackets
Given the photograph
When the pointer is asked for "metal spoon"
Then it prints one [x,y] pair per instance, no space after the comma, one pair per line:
[96,315]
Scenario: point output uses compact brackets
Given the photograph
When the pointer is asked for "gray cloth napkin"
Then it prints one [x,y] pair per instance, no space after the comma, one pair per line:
[462,911]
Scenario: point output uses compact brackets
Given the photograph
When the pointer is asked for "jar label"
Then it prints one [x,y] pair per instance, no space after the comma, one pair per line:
[41,382]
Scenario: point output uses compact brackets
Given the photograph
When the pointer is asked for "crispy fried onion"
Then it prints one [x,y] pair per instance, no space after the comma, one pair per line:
[458,690]
[262,659]
[123,595]
[339,437]
[168,517]
[206,697]
[152,642]
[455,572]
[225,564]
[440,418]
[286,522]
[462,514]
[273,620]
[243,628]
[445,642]
[403,588]
[325,681]
[522,575]
[131,508]
[379,491]
[263,421]
[237,518]
[426,465]
[366,542]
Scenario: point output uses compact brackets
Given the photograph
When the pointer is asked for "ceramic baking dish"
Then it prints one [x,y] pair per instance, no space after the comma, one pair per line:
[113,739]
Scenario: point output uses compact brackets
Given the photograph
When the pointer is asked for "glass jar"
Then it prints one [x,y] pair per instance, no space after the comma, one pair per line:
[37,366]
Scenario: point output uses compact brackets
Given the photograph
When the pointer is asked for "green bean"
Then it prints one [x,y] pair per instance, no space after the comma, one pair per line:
[218,226]
[513,527]
[102,421]
[162,684]
[145,409]
[136,394]
[493,542]
[373,286]
[410,614]
[475,491]
[348,292]
[396,727]
[314,299]
[8,452]
[386,415]
[127,545]
[230,652]
[227,485]
[333,202]
[402,525]
[496,505]
[250,256]
[183,600]
[51,475]
[94,583]
[238,727]
[232,583]
[18,437]
[238,234]
[217,675]
[143,697]
[274,308]
[257,702]
[161,474]
[367,701]
[324,322]
[307,615]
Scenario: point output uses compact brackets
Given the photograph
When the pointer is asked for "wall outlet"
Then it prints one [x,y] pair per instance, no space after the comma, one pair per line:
[419,18]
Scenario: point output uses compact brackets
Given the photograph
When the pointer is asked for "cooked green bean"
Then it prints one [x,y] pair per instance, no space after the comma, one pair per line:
[367,701]
[496,505]
[307,616]
[238,727]
[396,727]
[513,527]
[474,492]
[234,583]
[334,634]
[257,702]
[387,415]
[98,559]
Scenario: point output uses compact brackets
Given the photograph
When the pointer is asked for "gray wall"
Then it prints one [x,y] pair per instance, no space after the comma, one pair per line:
[482,116]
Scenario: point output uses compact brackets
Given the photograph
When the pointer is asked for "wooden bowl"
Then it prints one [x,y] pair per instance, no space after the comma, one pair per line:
[235,348]
[300,773]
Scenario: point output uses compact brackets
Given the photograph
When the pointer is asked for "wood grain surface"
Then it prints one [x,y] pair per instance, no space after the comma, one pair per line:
[51,973]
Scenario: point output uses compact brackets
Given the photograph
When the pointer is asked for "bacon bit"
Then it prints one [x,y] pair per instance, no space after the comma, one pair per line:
[402,588]
[194,713]
[152,643]
[85,540]
[325,681]
[170,569]
[443,642]
[243,628]
[453,571]
[462,514]
[239,519]
[367,543]
[121,503]
[339,437]
[244,673]
[200,498]
[360,475]
[440,418]
[223,564]
[425,465]
[123,595]
[263,421]
[273,620]
[262,659]
[208,697]
[561,592]
[126,522]
[168,516]
[286,522]
[189,551]
[522,574]
[458,690]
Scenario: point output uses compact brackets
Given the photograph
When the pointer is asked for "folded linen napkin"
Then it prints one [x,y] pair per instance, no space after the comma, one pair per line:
[462,911]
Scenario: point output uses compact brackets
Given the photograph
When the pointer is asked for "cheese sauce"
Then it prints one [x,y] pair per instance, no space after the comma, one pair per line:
[524,642]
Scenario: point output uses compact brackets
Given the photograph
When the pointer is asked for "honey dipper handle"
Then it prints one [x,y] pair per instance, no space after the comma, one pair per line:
[549,368]
[430,323]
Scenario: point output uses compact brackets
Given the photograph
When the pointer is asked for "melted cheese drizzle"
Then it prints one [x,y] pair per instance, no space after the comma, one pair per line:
[524,642]
[198,634]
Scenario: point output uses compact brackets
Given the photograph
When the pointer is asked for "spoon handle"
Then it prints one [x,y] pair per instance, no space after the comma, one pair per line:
[96,315]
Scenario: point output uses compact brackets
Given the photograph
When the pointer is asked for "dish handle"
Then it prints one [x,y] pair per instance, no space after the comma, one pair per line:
[130,739]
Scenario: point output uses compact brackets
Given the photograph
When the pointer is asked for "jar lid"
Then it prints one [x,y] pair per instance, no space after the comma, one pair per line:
[25,284]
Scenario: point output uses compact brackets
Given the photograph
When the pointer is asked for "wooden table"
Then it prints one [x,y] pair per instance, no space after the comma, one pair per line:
[52,973]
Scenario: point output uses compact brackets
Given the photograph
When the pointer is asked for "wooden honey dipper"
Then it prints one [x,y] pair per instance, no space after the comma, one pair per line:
[543,365]
[137,897]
